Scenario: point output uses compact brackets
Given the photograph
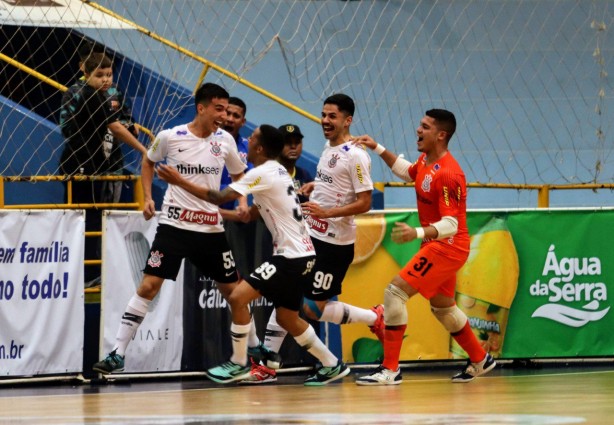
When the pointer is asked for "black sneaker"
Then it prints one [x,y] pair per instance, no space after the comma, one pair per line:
[327,374]
[473,370]
[113,363]
[269,358]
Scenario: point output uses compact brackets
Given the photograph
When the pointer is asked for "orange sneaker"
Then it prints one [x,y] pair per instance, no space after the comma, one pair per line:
[378,326]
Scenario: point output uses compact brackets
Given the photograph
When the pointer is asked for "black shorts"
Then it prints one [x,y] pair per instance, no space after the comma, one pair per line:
[209,252]
[280,280]
[331,266]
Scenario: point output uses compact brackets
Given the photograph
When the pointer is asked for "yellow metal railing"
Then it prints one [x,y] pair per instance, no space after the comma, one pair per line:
[543,190]
[138,197]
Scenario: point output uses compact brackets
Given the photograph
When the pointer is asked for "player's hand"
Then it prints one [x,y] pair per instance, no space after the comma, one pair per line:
[365,140]
[243,213]
[168,174]
[306,189]
[149,209]
[313,209]
[402,233]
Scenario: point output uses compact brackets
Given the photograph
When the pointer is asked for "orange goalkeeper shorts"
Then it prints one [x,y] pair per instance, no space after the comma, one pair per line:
[433,270]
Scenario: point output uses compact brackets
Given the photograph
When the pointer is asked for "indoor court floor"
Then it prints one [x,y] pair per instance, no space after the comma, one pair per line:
[565,394]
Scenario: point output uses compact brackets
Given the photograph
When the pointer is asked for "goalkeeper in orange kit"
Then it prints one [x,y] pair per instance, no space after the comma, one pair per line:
[441,194]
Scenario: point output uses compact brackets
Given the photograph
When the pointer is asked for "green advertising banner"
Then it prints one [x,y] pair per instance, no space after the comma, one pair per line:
[536,285]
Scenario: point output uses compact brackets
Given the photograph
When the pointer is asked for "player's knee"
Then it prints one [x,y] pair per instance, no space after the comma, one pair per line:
[452,318]
[395,313]
[311,309]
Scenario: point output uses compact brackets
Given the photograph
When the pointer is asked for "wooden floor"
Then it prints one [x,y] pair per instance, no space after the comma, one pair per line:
[550,395]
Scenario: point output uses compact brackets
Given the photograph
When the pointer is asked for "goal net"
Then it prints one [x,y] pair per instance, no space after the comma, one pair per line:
[528,80]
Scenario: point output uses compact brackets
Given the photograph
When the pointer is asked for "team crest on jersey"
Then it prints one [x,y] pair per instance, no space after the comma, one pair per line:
[155,259]
[216,149]
[426,183]
[333,160]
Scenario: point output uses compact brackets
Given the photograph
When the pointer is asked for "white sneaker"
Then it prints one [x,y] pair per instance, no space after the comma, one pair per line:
[381,376]
[473,370]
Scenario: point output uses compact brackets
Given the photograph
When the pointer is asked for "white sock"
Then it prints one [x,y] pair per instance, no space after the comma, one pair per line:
[275,334]
[310,341]
[252,337]
[341,313]
[239,334]
[131,319]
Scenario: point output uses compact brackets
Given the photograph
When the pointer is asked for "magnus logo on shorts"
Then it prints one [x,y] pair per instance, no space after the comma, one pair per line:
[198,217]
[317,224]
[573,294]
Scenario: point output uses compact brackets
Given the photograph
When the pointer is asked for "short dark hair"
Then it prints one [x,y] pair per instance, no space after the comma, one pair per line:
[238,102]
[95,61]
[343,102]
[271,140]
[445,120]
[86,48]
[209,91]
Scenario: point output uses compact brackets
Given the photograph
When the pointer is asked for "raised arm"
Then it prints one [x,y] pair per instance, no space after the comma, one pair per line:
[399,166]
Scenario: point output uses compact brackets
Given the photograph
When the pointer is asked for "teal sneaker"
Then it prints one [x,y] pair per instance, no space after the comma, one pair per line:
[269,358]
[228,372]
[113,363]
[325,374]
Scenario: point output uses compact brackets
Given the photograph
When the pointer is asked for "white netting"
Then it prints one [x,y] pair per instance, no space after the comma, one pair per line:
[528,80]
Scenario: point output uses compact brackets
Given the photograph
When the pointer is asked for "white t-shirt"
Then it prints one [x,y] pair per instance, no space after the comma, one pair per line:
[200,161]
[343,171]
[279,207]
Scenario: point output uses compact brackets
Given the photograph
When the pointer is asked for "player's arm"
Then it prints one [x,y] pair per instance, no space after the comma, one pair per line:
[444,228]
[362,204]
[242,210]
[122,133]
[398,165]
[147,174]
[172,176]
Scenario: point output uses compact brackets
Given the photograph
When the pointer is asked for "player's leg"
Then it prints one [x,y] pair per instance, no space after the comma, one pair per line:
[457,324]
[237,368]
[163,262]
[331,267]
[219,264]
[332,368]
[396,295]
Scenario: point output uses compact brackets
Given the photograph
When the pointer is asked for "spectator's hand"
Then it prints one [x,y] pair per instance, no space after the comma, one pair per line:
[402,233]
[306,189]
[365,140]
[149,209]
[314,209]
[169,174]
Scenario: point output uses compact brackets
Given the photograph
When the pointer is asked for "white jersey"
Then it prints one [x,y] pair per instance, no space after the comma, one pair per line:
[343,171]
[199,161]
[276,199]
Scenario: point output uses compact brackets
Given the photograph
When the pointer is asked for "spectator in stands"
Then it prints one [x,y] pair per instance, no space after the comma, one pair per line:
[293,148]
[89,122]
